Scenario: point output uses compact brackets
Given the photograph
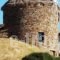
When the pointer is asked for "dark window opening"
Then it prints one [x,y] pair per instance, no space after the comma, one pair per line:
[59,54]
[41,36]
[59,37]
[54,53]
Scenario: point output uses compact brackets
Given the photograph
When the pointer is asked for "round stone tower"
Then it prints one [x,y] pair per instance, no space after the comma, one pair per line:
[37,21]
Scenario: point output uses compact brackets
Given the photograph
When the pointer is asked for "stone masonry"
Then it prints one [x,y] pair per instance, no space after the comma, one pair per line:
[39,17]
[31,18]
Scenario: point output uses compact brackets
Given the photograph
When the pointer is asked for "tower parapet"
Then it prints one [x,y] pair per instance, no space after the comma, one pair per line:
[29,1]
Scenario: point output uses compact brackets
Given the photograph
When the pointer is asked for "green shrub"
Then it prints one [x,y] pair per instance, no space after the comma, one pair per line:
[46,56]
[58,58]
[40,56]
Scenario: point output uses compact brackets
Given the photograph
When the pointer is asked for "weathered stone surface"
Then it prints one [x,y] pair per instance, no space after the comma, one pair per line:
[40,19]
[28,1]
[3,32]
[31,19]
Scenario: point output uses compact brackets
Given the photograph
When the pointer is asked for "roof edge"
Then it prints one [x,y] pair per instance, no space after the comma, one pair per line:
[4,6]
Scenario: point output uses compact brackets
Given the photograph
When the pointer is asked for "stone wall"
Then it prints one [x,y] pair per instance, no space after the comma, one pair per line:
[28,1]
[3,32]
[33,18]
[40,18]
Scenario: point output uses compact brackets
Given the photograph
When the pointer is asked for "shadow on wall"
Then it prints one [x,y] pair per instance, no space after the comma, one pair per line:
[40,56]
[11,18]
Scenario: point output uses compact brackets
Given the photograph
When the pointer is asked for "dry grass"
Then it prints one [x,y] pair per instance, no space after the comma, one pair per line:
[15,50]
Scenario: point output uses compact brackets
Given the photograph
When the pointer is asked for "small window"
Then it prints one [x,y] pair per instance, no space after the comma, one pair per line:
[41,36]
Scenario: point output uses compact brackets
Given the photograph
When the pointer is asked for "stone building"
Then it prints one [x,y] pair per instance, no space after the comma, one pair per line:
[33,21]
